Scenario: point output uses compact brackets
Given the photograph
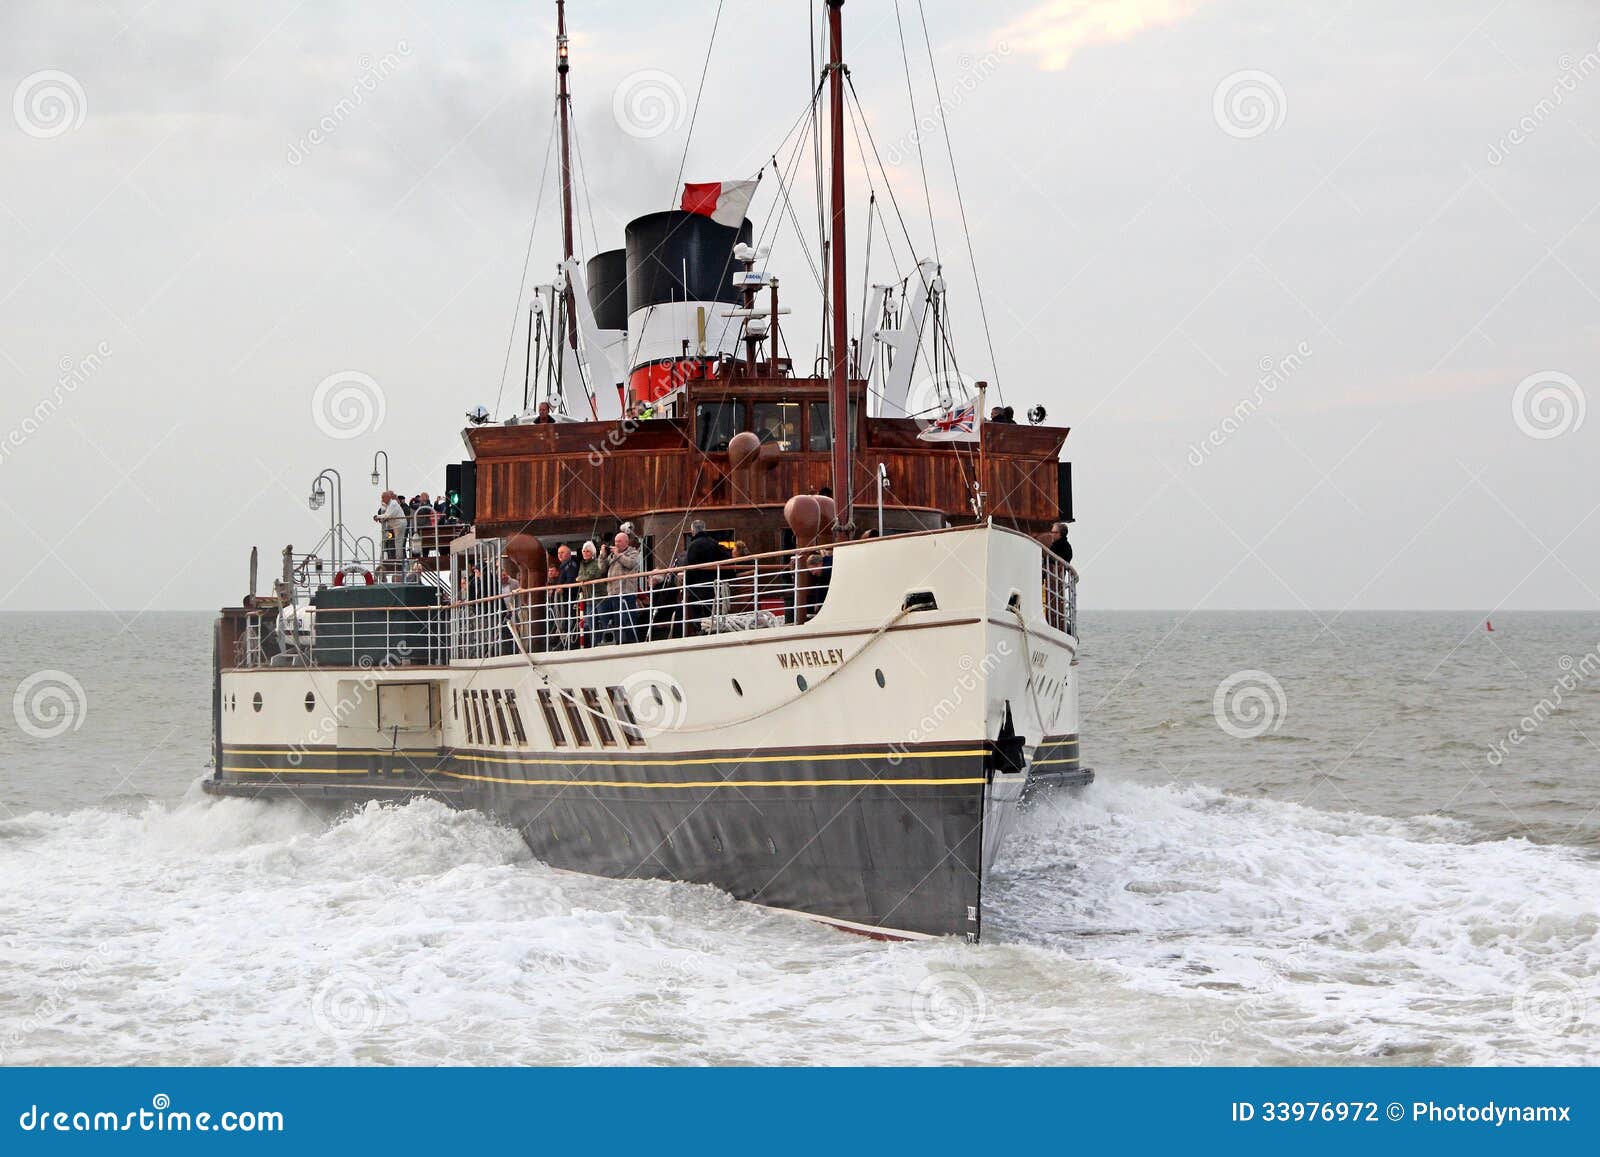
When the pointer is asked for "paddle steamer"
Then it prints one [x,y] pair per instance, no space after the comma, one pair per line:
[841,719]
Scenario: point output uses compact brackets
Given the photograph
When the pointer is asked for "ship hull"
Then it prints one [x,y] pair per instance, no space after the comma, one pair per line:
[862,770]
[882,842]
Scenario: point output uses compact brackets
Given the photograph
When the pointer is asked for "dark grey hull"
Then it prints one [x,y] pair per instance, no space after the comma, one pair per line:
[883,843]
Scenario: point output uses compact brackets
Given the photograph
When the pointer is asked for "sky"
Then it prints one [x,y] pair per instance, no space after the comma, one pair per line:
[1314,284]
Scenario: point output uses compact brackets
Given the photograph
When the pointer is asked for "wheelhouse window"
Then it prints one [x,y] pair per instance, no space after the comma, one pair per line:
[778,423]
[819,436]
[716,423]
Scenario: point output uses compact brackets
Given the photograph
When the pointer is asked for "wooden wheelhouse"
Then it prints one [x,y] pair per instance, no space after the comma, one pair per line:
[575,479]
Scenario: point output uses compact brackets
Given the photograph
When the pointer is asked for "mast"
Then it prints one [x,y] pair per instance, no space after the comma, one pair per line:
[839,369]
[564,105]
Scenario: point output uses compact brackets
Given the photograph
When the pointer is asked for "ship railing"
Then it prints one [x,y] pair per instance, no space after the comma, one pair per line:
[755,592]
[380,637]
[1060,583]
[298,635]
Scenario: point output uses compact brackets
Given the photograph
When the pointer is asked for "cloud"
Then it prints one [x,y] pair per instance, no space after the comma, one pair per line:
[1054,31]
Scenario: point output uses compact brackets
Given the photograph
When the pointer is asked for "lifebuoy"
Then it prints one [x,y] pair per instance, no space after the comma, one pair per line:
[338,579]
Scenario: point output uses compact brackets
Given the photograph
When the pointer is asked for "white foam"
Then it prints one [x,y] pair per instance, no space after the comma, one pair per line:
[1136,925]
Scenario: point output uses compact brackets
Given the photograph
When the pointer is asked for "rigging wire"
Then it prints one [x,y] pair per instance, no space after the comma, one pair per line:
[911,101]
[876,156]
[698,92]
[955,177]
[522,285]
[866,171]
[588,198]
[940,323]
[788,203]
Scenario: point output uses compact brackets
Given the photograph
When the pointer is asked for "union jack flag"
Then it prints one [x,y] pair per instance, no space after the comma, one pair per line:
[958,425]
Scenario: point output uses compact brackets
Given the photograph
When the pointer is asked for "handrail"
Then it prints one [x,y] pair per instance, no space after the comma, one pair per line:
[769,589]
[742,562]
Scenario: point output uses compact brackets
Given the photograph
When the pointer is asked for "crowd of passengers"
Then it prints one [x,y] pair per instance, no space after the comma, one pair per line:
[596,595]
[413,528]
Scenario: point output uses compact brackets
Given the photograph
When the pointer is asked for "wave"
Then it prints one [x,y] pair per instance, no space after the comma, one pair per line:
[1129,925]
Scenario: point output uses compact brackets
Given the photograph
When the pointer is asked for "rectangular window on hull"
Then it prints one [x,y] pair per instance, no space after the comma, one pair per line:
[552,721]
[602,725]
[624,713]
[480,705]
[516,718]
[500,718]
[580,733]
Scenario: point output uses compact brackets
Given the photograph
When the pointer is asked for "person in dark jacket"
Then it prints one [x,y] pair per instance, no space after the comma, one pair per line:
[703,553]
[1061,548]
[566,564]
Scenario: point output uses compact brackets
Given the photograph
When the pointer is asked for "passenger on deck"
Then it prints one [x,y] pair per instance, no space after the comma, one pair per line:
[544,414]
[700,583]
[424,525]
[819,569]
[666,600]
[566,564]
[591,567]
[414,575]
[622,596]
[1061,548]
[510,615]
[586,599]
[392,518]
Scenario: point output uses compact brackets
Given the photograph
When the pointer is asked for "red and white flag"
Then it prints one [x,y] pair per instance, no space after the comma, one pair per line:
[725,202]
[962,424]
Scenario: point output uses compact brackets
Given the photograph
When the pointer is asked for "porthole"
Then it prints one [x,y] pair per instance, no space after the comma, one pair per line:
[737,690]
[878,675]
[655,693]
[800,682]
[677,693]
[256,702]
[311,701]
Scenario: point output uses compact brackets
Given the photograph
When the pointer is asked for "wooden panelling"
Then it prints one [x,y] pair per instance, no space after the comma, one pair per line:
[562,476]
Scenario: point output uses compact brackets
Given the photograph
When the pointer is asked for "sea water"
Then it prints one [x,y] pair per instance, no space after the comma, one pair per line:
[1311,841]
